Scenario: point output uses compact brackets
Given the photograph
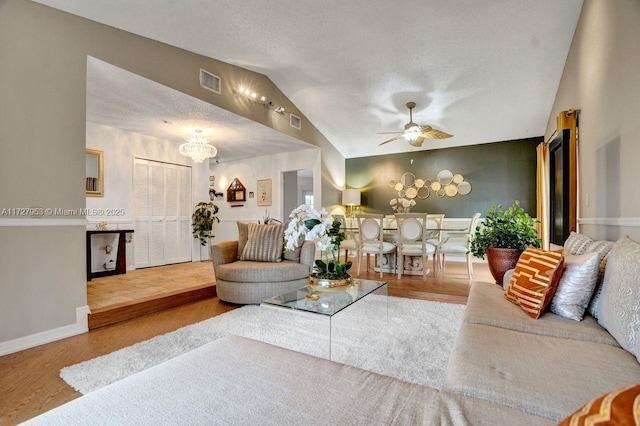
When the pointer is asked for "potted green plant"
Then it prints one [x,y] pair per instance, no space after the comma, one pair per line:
[503,237]
[202,220]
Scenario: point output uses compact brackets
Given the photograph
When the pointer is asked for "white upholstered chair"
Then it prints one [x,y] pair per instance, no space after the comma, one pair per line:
[412,240]
[435,236]
[348,244]
[371,239]
[457,243]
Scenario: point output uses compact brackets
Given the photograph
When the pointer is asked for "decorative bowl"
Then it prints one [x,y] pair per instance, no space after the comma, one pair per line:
[325,284]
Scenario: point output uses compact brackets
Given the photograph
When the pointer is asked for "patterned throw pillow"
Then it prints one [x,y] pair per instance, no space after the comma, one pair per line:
[581,244]
[619,308]
[576,243]
[534,280]
[265,243]
[243,236]
[603,248]
[575,286]
[620,407]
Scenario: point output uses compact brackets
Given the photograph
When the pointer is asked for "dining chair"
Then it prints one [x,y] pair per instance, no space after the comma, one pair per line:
[412,240]
[457,242]
[434,237]
[348,244]
[371,239]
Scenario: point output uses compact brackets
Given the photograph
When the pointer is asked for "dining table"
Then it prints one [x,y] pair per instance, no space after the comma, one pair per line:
[412,264]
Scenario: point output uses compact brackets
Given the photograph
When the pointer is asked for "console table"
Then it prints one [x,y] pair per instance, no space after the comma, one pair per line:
[121,258]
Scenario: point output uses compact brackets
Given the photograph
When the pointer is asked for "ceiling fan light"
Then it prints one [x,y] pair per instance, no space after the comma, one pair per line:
[412,133]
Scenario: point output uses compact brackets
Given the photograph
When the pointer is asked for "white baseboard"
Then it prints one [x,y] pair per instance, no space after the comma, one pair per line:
[81,326]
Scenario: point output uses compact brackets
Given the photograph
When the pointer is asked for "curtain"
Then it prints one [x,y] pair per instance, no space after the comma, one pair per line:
[542,193]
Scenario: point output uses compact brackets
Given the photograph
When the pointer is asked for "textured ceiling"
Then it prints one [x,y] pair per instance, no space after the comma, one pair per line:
[121,99]
[484,71]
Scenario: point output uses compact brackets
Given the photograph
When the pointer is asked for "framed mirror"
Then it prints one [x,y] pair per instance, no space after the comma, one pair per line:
[408,179]
[95,173]
[445,177]
[464,188]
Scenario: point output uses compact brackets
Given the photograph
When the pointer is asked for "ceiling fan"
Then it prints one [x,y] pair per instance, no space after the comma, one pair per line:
[414,133]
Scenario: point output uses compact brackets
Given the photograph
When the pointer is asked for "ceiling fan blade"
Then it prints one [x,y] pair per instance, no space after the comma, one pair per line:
[387,133]
[417,142]
[435,134]
[391,140]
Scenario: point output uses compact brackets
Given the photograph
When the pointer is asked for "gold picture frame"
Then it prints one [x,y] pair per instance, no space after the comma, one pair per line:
[94,186]
[264,192]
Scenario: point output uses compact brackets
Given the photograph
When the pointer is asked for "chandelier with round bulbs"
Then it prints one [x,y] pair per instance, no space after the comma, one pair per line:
[197,147]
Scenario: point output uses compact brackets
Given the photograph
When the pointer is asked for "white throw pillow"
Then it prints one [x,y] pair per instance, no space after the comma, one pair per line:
[576,285]
[619,307]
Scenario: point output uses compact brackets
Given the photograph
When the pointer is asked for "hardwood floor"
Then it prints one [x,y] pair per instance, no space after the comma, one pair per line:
[121,297]
[30,382]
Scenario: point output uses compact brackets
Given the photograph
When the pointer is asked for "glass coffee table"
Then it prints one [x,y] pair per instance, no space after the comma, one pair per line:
[330,302]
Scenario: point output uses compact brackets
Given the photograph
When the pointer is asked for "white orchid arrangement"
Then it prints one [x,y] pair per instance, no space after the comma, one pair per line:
[402,205]
[306,223]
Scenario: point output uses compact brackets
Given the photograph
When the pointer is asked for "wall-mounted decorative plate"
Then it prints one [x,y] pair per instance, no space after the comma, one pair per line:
[451,190]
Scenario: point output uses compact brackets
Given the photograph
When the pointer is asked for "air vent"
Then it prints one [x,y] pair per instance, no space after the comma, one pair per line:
[210,81]
[294,121]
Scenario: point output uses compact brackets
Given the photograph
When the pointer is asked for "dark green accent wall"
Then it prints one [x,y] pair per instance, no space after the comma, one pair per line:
[498,172]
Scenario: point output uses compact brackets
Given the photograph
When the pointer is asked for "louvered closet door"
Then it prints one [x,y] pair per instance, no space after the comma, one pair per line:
[171,231]
[163,213]
[184,214]
[143,218]
[177,242]
[156,198]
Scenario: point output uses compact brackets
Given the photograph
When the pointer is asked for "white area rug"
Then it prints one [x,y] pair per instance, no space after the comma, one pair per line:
[403,338]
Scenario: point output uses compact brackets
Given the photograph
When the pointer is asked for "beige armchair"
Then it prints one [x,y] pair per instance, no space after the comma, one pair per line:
[251,282]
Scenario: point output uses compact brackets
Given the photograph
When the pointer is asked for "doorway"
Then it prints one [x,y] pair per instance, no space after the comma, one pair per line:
[559,179]
[297,189]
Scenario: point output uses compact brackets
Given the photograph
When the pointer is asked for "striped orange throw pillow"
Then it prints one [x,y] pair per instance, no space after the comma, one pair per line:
[535,280]
[620,408]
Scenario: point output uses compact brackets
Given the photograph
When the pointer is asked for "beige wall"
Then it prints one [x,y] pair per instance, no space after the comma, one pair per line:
[43,54]
[602,80]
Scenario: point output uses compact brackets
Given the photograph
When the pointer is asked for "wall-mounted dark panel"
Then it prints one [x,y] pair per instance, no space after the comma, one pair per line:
[499,173]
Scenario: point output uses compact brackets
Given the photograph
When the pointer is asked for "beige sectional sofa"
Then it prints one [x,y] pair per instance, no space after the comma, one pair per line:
[547,367]
[506,369]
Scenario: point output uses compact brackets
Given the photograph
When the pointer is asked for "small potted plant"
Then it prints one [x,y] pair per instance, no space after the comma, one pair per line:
[503,237]
[202,221]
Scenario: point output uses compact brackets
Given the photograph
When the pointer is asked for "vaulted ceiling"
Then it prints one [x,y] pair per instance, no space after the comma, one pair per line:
[483,70]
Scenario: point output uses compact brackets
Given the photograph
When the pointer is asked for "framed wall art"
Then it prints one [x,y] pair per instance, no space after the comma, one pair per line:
[264,192]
